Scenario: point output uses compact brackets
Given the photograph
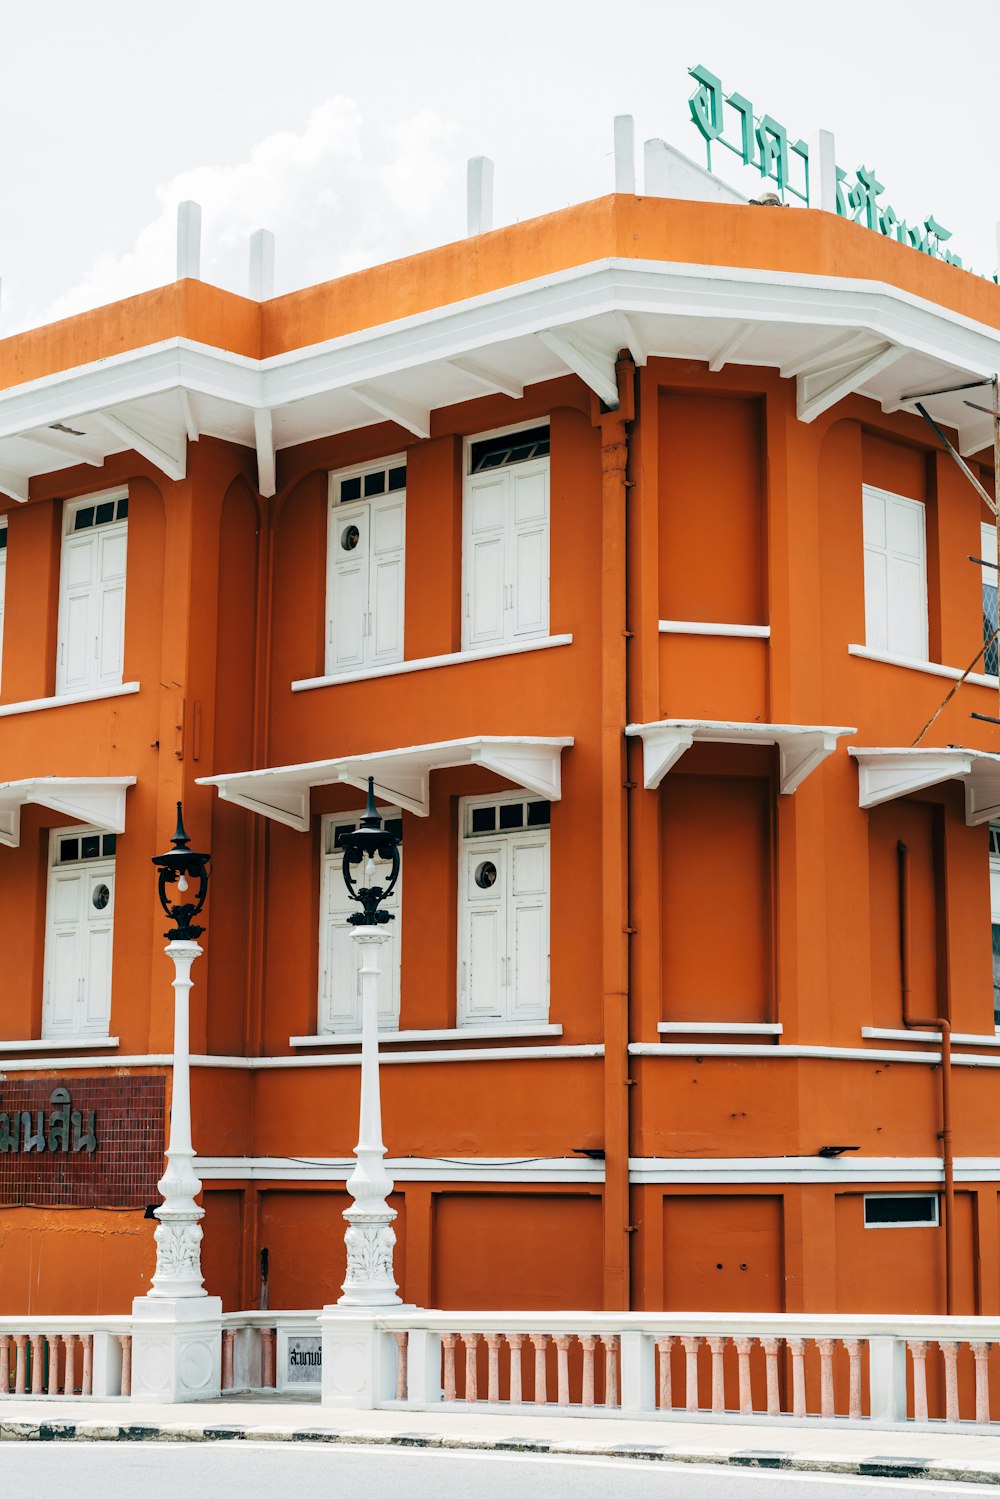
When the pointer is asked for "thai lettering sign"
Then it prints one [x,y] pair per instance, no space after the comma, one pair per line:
[88,1142]
[760,141]
[24,1131]
[305,1361]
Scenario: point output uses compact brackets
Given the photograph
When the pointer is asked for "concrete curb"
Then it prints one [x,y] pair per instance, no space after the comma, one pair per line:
[875,1466]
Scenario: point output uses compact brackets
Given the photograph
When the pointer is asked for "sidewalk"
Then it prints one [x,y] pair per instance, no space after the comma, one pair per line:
[971,1455]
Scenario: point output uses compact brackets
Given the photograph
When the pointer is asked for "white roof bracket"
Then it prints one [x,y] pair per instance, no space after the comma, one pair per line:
[884,774]
[406,414]
[99,800]
[401,776]
[594,366]
[801,747]
[817,392]
[263,431]
[173,464]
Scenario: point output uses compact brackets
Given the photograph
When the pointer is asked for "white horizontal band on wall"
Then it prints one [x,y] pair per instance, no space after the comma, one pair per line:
[845,1170]
[540,1169]
[699,627]
[428,663]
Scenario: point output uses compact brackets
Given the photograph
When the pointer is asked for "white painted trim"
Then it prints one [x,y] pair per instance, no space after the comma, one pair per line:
[930,668]
[964,1038]
[909,1196]
[696,627]
[98,802]
[426,663]
[454,1033]
[717,1028]
[61,1043]
[37,704]
[806,1170]
[885,773]
[794,1053]
[539,1169]
[349,1059]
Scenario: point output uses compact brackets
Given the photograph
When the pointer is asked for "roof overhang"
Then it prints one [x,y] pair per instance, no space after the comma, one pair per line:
[402,776]
[99,801]
[801,747]
[835,335]
[885,774]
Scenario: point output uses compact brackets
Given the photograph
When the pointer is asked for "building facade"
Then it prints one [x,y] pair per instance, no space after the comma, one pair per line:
[613,547]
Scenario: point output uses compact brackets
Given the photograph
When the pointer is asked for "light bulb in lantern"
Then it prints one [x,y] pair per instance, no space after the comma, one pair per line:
[182,883]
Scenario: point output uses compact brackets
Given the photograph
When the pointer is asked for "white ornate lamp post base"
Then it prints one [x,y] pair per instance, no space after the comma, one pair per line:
[177,1331]
[358,1365]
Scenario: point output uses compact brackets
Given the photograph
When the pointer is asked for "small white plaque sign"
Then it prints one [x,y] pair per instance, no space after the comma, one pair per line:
[305,1361]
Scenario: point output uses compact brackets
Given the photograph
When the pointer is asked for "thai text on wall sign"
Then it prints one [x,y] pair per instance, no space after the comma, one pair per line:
[27,1131]
[81,1142]
[760,141]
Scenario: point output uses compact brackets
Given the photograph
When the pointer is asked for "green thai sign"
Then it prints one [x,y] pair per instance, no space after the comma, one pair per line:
[760,141]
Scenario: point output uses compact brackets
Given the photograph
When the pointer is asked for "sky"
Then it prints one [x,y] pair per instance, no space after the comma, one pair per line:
[345,128]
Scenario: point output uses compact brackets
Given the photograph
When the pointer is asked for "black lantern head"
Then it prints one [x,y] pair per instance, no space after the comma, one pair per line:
[180,868]
[362,846]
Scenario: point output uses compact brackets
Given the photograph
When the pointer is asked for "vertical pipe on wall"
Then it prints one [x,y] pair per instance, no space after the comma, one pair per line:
[613,427]
[944,1026]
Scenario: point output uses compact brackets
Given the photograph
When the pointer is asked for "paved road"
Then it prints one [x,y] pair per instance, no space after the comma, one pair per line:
[95,1470]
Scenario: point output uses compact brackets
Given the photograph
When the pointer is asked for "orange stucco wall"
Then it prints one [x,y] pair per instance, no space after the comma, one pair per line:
[743,906]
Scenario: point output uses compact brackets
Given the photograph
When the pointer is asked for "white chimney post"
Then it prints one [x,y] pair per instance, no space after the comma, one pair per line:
[261,265]
[624,154]
[188,241]
[479,195]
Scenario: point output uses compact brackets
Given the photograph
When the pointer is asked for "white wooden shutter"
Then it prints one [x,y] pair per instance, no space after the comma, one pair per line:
[483,952]
[98,936]
[78,613]
[529,545]
[112,551]
[388,576]
[486,580]
[528,928]
[907,578]
[63,952]
[895,574]
[349,571]
[340,960]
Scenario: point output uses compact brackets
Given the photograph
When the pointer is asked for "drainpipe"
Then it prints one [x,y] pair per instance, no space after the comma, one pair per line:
[944,1026]
[613,428]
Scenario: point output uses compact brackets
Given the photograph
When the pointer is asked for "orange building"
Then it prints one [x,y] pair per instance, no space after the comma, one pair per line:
[612,545]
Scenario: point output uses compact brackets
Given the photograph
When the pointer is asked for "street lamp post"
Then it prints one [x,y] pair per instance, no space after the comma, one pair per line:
[370,1238]
[358,1364]
[177,1327]
[178,1233]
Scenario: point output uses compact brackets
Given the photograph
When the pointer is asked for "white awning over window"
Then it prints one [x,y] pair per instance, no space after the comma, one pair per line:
[402,776]
[97,800]
[884,774]
[801,747]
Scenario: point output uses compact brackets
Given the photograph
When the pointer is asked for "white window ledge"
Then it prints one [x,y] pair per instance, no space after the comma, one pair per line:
[36,704]
[455,1033]
[717,1028]
[63,1043]
[966,1038]
[932,668]
[425,663]
[700,627]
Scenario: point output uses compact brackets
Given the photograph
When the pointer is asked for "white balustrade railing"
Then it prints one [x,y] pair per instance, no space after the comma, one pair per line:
[65,1356]
[682,1365]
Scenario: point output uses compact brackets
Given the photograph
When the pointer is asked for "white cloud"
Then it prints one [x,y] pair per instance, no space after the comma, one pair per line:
[337,195]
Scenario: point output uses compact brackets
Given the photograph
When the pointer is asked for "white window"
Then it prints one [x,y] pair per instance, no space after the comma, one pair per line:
[339,961]
[3,580]
[901,1210]
[366,571]
[895,574]
[506,540]
[988,554]
[92,594]
[503,969]
[79,929]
